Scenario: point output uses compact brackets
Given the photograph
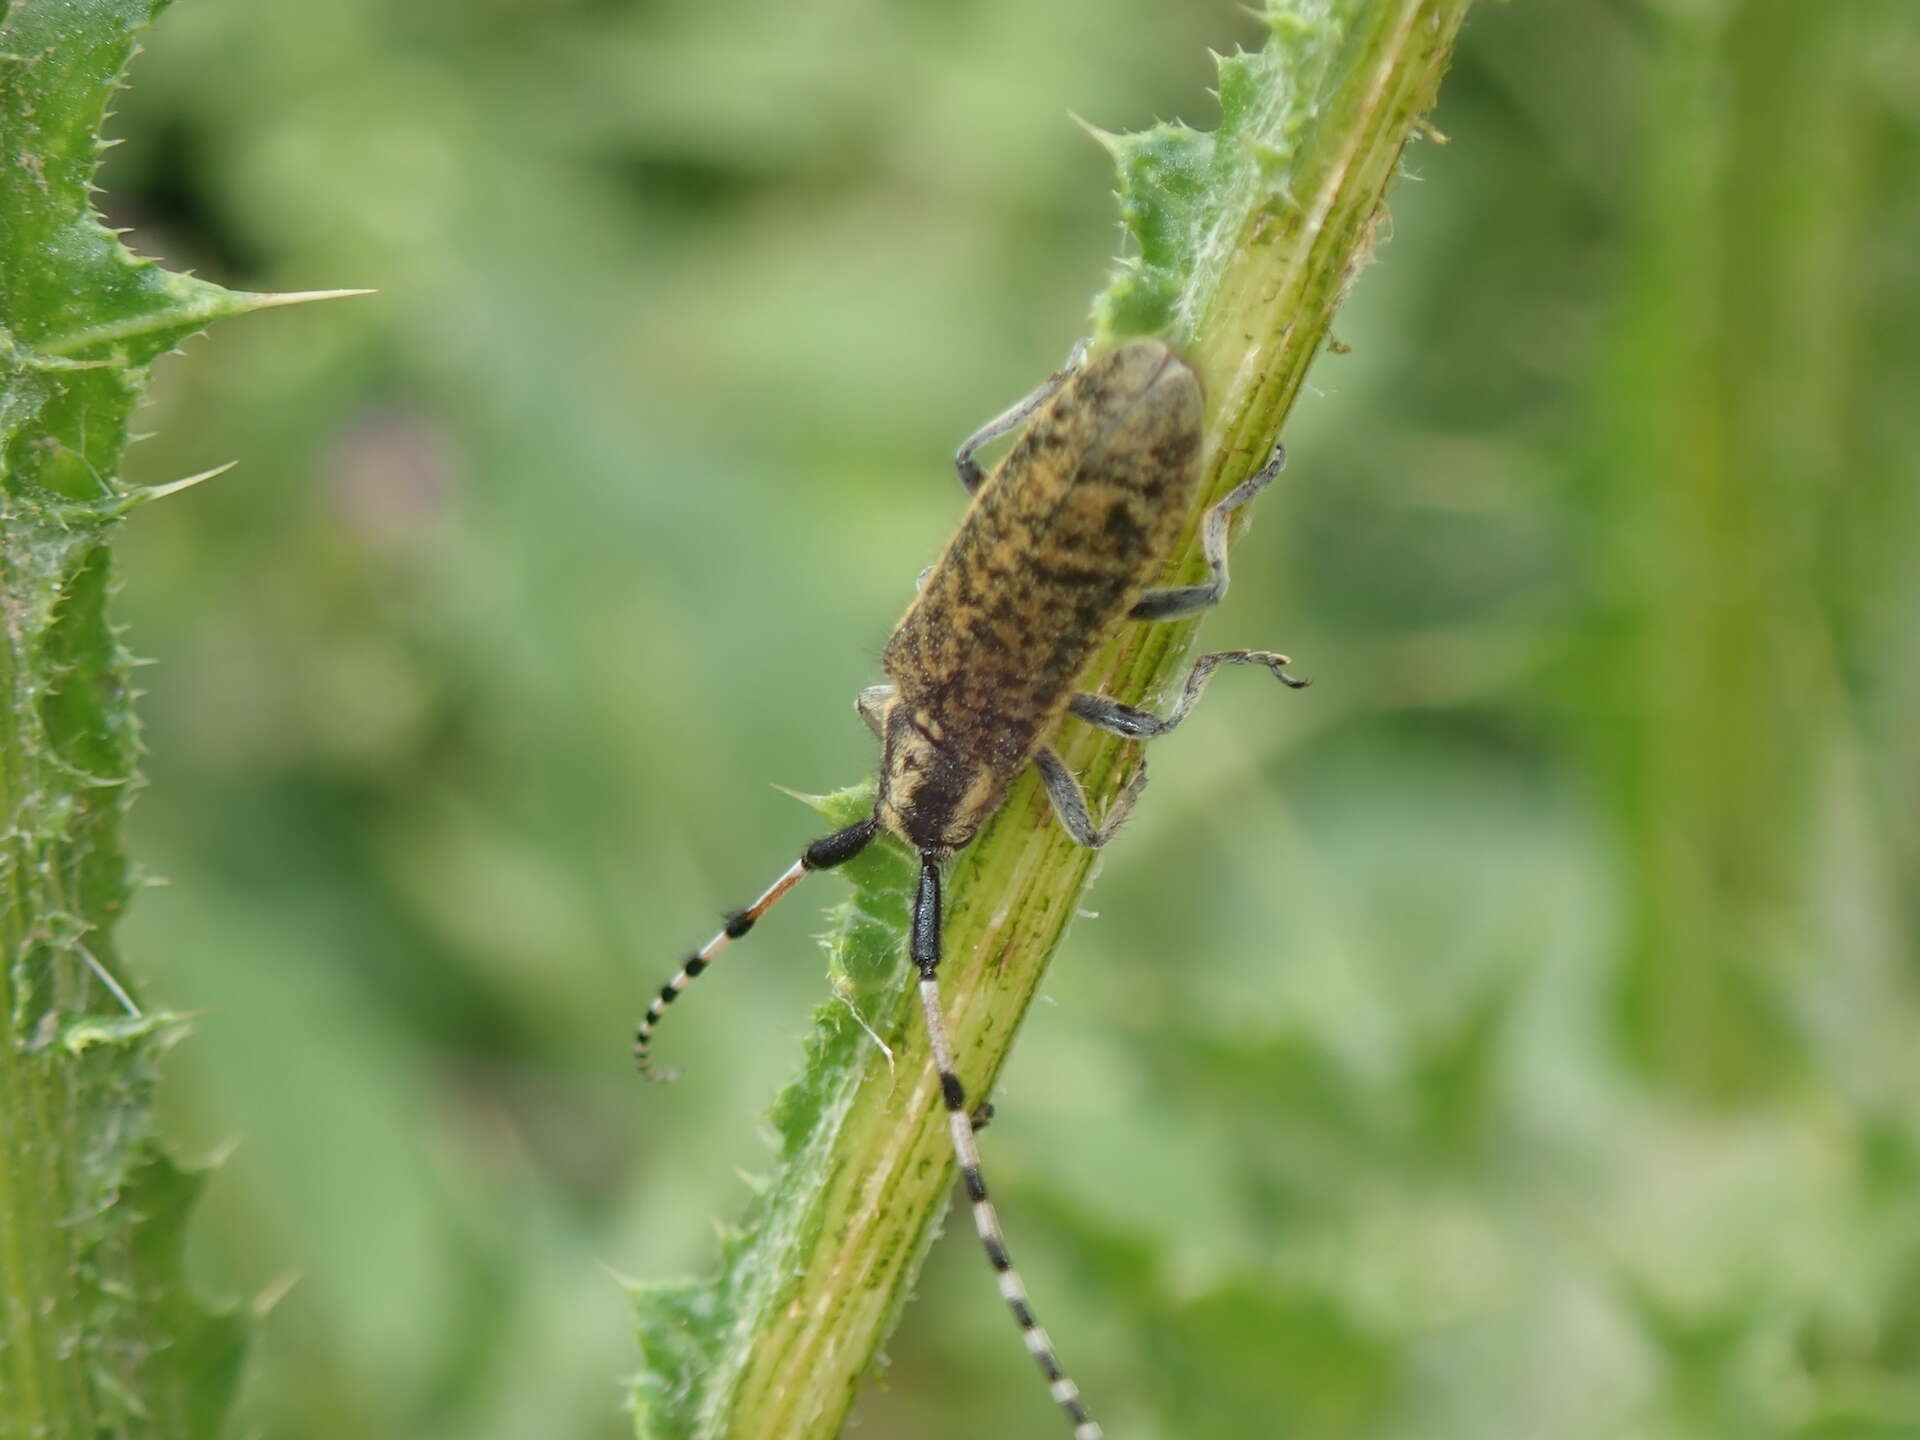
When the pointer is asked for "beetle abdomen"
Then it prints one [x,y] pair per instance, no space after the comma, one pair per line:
[1055,548]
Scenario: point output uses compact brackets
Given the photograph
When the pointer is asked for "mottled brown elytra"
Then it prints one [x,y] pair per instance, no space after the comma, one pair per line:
[1054,552]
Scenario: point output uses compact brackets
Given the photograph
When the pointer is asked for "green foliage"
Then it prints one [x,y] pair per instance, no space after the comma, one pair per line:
[1522,1012]
[101,1335]
[1185,194]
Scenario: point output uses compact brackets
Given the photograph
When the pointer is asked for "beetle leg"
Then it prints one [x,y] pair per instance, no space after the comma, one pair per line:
[1110,715]
[1184,600]
[1070,803]
[1009,419]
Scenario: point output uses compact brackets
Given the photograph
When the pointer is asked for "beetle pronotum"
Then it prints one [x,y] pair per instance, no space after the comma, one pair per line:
[1056,549]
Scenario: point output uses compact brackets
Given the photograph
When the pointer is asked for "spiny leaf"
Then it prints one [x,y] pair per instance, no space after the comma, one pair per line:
[99,1334]
[1185,194]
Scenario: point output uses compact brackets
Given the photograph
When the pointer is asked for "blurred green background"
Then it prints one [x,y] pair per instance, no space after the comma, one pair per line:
[1513,1036]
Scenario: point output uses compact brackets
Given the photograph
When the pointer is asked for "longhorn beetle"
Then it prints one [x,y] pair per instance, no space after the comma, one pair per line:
[1055,550]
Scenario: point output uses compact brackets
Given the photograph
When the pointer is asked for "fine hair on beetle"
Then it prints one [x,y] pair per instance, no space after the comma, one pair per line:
[1056,549]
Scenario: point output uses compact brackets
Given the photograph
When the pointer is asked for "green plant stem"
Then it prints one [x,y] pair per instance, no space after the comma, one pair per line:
[1248,239]
[98,1333]
[1730,378]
